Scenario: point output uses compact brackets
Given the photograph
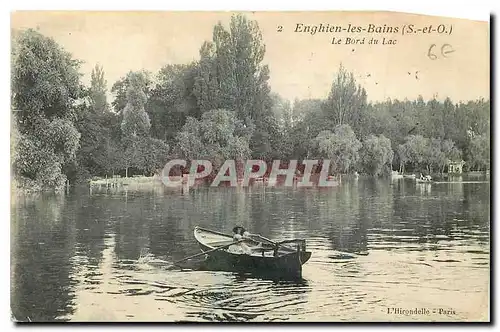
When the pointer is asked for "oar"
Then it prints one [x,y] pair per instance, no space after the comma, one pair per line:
[206,252]
[263,238]
[274,242]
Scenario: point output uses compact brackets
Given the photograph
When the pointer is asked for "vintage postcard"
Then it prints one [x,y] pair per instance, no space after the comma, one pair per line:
[249,167]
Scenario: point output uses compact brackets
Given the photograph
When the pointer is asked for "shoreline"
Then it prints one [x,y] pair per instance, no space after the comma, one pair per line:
[137,180]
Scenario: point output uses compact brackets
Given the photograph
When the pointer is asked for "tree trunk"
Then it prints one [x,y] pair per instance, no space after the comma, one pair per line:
[126,172]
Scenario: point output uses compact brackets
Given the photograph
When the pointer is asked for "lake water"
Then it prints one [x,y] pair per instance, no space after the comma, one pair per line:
[106,255]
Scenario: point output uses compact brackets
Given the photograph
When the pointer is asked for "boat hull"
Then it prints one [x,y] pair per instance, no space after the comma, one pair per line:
[289,265]
[286,264]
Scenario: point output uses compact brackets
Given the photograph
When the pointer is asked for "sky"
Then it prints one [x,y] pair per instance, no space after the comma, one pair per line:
[302,65]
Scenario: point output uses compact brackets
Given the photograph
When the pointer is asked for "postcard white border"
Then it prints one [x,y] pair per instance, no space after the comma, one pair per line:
[474,10]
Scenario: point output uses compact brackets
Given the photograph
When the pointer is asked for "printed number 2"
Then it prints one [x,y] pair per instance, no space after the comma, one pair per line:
[280,28]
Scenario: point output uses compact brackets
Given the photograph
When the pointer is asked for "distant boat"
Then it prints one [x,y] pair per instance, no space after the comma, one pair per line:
[409,176]
[283,258]
[396,175]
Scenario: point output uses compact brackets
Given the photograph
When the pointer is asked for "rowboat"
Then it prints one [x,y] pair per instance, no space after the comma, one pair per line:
[284,258]
[423,181]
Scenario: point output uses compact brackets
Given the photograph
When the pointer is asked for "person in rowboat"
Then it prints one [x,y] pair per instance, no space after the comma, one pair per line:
[426,178]
[239,234]
[242,233]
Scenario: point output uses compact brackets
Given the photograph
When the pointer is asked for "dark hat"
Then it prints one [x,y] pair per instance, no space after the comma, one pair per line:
[239,230]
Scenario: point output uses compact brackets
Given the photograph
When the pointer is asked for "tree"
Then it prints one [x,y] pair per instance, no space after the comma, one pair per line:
[144,154]
[266,139]
[230,73]
[212,138]
[42,155]
[206,83]
[98,90]
[45,79]
[394,119]
[435,157]
[433,120]
[135,124]
[96,123]
[416,150]
[135,119]
[231,77]
[479,153]
[346,103]
[439,153]
[340,146]
[45,86]
[120,88]
[402,153]
[152,155]
[376,155]
[172,100]
[285,121]
[115,160]
[308,121]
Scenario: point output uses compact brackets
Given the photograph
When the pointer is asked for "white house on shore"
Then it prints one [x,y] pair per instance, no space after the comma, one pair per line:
[455,167]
